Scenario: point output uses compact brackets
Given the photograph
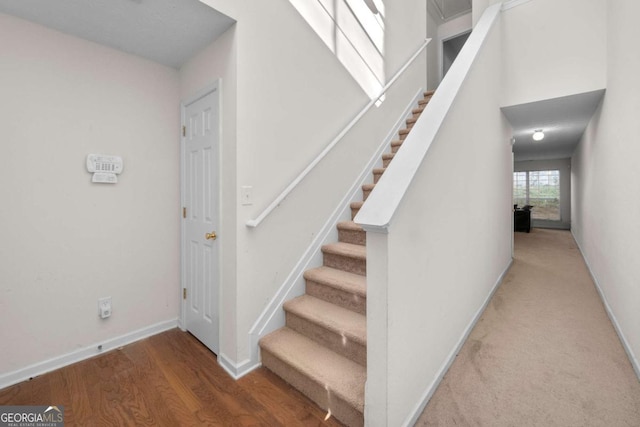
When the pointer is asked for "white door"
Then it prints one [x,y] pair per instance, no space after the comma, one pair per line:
[200,262]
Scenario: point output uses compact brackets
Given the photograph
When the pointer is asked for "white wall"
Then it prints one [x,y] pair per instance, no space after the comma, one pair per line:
[65,241]
[479,6]
[433,76]
[606,180]
[293,98]
[436,252]
[405,30]
[550,50]
[564,166]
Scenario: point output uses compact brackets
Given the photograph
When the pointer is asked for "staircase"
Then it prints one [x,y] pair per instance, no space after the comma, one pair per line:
[322,350]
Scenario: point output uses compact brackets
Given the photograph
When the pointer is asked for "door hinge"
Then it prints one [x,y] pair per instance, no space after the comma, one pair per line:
[184,293]
[184,212]
[184,131]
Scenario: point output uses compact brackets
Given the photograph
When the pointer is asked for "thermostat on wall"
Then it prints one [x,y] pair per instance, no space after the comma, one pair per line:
[104,168]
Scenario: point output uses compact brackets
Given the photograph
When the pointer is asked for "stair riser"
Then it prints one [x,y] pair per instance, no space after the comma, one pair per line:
[344,291]
[357,237]
[313,390]
[354,212]
[329,339]
[344,263]
[338,297]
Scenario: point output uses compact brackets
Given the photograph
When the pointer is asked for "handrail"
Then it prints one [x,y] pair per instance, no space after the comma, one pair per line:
[253,223]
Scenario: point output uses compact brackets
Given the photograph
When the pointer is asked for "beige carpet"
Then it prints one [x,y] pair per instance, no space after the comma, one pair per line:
[544,352]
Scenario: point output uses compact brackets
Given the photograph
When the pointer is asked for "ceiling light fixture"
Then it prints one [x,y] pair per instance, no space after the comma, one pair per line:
[538,135]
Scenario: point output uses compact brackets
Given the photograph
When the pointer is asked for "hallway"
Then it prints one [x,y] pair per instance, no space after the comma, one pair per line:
[544,352]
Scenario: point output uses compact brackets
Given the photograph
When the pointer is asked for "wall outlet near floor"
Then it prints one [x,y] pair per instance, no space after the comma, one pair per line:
[104,307]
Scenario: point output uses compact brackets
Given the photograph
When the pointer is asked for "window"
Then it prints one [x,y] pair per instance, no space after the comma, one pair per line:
[541,189]
[354,30]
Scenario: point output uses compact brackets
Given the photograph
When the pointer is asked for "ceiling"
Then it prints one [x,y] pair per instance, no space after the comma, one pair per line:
[563,121]
[448,9]
[165,31]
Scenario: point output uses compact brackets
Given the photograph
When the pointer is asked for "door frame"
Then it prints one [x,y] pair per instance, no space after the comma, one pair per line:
[215,86]
[441,48]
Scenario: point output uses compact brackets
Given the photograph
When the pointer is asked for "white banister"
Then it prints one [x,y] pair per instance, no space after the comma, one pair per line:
[376,214]
[253,223]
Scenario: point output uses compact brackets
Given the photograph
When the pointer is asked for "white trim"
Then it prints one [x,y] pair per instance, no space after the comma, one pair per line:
[272,317]
[237,371]
[87,352]
[215,86]
[385,199]
[627,347]
[450,29]
[513,3]
[441,48]
[452,17]
[253,223]
[428,393]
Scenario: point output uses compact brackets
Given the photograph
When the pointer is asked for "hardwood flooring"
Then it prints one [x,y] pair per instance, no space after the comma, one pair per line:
[169,379]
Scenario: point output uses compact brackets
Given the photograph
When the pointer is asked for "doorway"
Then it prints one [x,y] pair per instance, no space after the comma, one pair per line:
[450,50]
[201,217]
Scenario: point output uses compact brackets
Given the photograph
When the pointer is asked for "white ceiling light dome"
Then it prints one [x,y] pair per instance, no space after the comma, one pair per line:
[538,135]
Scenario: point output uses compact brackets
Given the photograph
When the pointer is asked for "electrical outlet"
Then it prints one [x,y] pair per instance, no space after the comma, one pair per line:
[104,307]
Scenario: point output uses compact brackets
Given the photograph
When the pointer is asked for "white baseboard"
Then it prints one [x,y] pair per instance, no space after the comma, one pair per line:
[236,371]
[272,317]
[623,339]
[92,350]
[426,396]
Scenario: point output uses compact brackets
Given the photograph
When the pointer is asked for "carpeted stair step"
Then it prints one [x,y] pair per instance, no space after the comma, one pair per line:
[338,287]
[322,349]
[377,173]
[386,159]
[350,232]
[395,145]
[334,327]
[367,189]
[346,257]
[334,382]
[426,98]
[355,208]
[424,101]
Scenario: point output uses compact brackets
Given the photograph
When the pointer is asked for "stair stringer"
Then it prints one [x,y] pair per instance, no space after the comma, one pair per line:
[273,316]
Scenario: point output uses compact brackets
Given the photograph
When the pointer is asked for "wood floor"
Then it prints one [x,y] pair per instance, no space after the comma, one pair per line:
[169,379]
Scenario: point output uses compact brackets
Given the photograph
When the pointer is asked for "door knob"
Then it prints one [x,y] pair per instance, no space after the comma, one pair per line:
[211,236]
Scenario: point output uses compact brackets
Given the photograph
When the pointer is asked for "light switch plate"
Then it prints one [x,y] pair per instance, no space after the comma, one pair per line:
[246,195]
